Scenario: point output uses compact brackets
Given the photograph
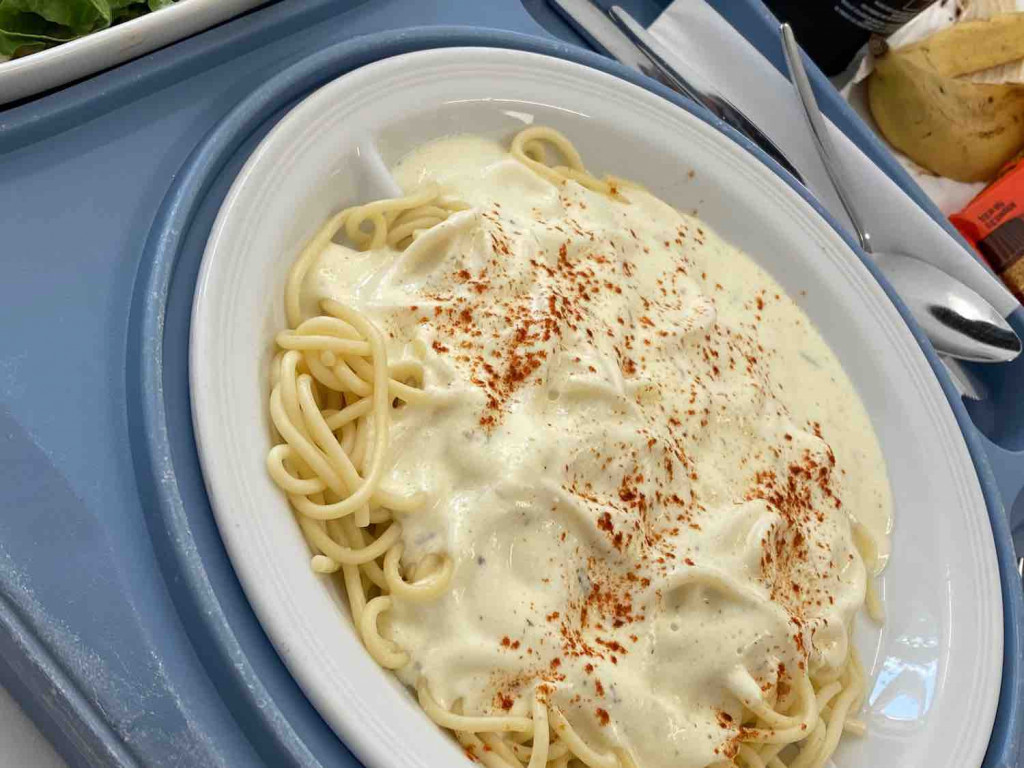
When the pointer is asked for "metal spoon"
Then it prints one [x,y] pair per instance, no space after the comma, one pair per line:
[957,321]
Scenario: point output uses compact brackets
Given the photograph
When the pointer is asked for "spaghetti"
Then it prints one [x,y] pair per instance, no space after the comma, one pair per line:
[333,395]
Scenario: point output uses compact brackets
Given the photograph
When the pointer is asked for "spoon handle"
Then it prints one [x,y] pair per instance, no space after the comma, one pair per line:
[833,165]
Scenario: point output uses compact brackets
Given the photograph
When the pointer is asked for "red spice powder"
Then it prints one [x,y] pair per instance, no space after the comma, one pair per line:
[506,339]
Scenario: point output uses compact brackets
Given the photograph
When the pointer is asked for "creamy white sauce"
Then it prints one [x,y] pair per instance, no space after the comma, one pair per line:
[622,400]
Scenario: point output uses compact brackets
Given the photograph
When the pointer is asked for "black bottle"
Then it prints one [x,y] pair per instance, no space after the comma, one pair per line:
[832,32]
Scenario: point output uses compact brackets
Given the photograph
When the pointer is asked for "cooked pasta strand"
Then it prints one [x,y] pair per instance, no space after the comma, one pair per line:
[333,393]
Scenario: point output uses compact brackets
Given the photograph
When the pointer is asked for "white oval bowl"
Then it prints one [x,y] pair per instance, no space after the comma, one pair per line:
[935,666]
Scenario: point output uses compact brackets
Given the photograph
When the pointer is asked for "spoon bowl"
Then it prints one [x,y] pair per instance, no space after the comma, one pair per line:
[956,320]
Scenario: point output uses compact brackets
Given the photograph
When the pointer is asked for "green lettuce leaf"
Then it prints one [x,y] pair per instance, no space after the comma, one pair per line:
[27,26]
[80,16]
[22,33]
[128,12]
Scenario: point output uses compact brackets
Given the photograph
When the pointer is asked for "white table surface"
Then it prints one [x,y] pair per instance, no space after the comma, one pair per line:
[21,744]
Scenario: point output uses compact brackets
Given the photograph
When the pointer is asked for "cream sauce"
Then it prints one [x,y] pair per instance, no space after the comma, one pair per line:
[643,458]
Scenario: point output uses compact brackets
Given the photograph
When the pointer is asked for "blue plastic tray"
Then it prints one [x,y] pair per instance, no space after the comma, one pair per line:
[123,630]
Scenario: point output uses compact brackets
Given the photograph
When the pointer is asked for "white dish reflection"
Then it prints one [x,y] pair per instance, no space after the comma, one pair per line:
[905,681]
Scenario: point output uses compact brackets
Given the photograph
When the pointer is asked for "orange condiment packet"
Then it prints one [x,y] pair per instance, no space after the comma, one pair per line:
[993,222]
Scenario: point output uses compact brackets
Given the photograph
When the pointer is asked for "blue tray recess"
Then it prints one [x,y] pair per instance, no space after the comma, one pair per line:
[123,630]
